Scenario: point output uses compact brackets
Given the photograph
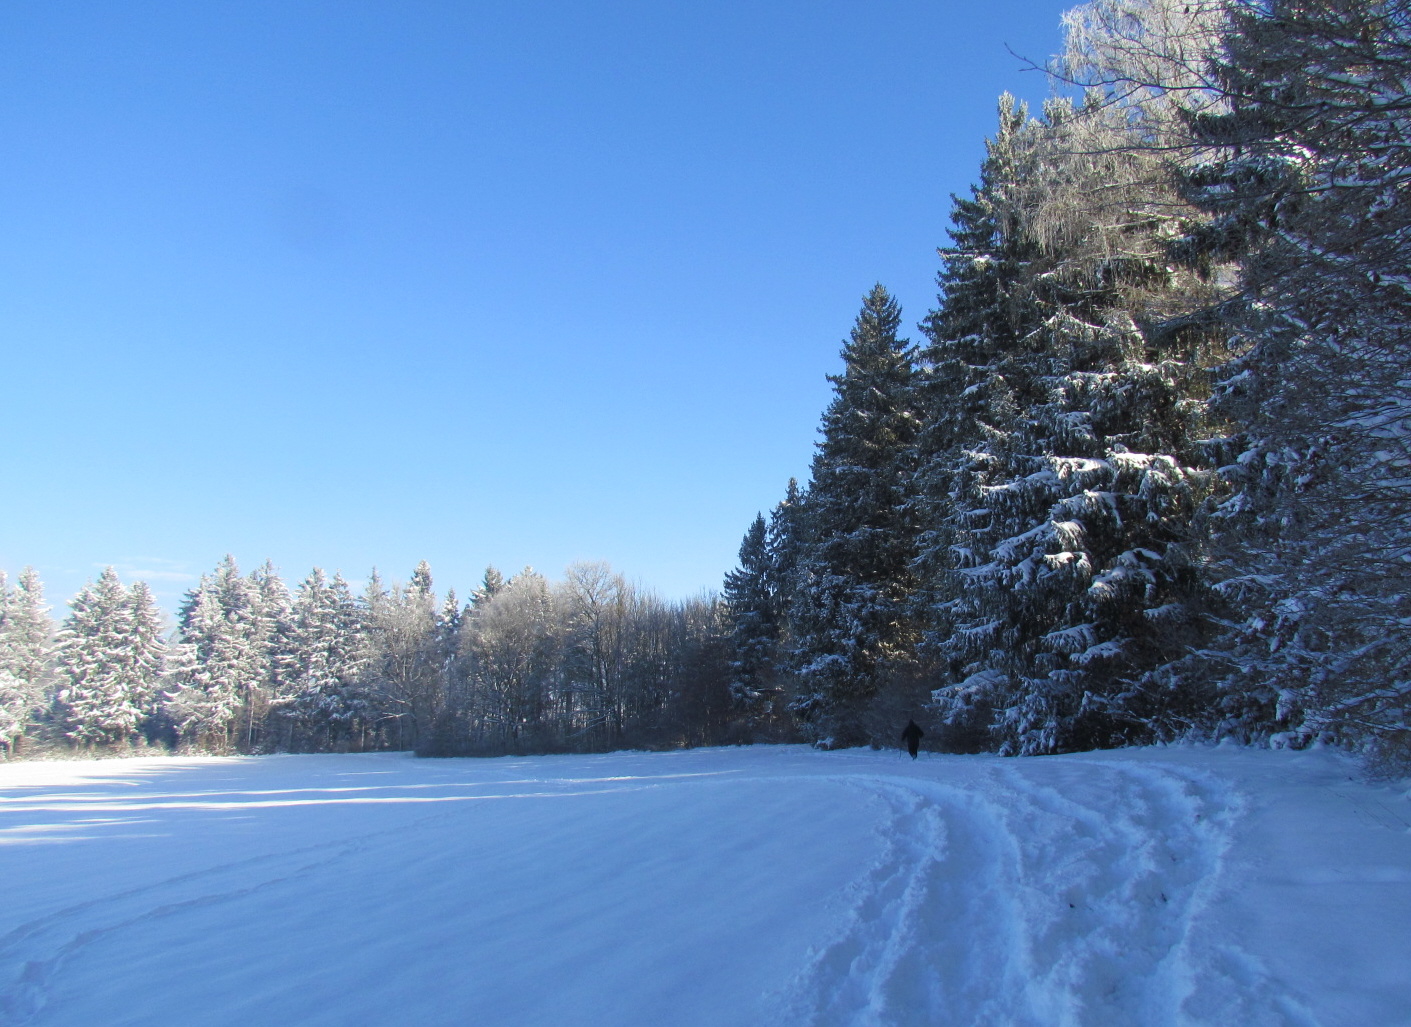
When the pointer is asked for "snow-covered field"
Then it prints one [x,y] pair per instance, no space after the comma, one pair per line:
[722,887]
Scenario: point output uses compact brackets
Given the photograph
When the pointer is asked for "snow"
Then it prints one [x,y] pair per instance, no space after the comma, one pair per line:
[766,885]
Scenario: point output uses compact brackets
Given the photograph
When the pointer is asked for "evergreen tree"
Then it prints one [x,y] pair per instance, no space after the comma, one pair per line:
[26,635]
[110,654]
[450,618]
[272,610]
[750,602]
[490,587]
[853,575]
[986,312]
[1303,167]
[17,703]
[374,598]
[322,662]
[146,647]
[28,630]
[223,660]
[1062,581]
[785,540]
[448,623]
[420,584]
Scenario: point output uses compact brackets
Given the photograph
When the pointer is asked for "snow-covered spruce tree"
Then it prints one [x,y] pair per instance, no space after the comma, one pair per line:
[987,309]
[320,665]
[147,648]
[222,660]
[450,623]
[490,587]
[26,638]
[28,630]
[17,705]
[1305,168]
[110,657]
[272,612]
[785,540]
[754,624]
[1062,494]
[849,611]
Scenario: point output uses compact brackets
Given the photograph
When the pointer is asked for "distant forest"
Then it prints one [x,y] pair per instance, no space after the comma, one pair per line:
[587,664]
[1144,476]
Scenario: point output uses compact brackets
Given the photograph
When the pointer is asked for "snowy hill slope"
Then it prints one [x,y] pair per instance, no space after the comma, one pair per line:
[735,886]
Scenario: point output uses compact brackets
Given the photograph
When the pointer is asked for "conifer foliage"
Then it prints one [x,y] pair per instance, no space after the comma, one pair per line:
[324,649]
[26,636]
[850,569]
[749,597]
[1155,477]
[1072,508]
[1303,169]
[110,653]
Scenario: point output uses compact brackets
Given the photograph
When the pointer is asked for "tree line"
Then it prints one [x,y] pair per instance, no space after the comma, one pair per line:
[584,664]
[1145,475]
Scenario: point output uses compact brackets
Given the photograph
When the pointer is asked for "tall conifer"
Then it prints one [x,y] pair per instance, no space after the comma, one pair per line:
[754,619]
[853,574]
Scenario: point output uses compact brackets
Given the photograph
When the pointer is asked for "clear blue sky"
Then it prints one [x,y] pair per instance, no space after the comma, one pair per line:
[362,283]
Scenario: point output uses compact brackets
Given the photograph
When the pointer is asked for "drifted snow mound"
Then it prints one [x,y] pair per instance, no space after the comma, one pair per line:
[714,887]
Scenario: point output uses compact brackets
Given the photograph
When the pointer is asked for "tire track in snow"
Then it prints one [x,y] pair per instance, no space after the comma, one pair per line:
[1025,899]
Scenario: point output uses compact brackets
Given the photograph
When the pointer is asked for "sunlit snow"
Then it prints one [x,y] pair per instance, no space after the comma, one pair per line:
[773,885]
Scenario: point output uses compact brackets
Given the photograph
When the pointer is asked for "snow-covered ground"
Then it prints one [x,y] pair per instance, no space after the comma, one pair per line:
[723,887]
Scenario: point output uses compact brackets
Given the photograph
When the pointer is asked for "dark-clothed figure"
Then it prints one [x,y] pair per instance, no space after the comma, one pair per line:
[912,737]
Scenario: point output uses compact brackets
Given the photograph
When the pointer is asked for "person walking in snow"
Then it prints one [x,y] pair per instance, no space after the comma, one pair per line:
[912,736]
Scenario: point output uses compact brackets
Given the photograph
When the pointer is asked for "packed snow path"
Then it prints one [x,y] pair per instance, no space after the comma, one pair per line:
[720,887]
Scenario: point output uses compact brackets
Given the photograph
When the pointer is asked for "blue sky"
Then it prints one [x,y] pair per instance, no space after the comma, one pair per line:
[363,283]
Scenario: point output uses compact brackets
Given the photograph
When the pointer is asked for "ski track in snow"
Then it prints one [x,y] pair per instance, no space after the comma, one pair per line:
[1014,903]
[1061,892]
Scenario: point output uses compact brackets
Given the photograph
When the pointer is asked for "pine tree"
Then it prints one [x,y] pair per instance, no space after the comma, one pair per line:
[753,614]
[26,635]
[146,647]
[271,611]
[490,587]
[785,540]
[1303,168]
[448,626]
[986,311]
[16,705]
[223,659]
[110,654]
[322,662]
[374,598]
[1061,543]
[29,632]
[420,584]
[854,578]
